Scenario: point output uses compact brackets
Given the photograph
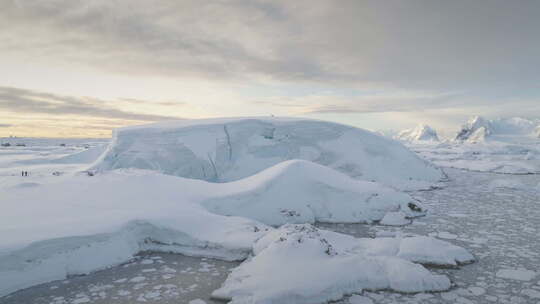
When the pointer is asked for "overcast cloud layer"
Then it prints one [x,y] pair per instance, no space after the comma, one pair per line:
[31,102]
[415,55]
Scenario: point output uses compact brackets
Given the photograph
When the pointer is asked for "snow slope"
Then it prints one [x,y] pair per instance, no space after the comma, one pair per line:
[223,150]
[304,192]
[419,133]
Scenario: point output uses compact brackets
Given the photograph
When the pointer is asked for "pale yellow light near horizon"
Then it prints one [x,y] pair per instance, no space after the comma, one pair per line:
[186,98]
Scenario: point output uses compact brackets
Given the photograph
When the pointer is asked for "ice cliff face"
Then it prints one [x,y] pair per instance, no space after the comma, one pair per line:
[420,133]
[223,150]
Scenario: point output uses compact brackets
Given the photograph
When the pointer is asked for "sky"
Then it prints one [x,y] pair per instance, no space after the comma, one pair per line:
[78,68]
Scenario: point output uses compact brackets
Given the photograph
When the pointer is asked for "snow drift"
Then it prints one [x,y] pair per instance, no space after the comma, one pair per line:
[223,150]
[419,133]
[304,192]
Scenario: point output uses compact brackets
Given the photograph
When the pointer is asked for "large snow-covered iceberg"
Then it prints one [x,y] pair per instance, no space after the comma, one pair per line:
[419,133]
[223,150]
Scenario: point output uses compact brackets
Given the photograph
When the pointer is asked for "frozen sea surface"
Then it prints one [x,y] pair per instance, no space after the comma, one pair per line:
[151,278]
[499,225]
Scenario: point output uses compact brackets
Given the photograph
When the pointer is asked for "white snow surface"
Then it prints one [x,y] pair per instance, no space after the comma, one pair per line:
[84,224]
[59,221]
[419,133]
[321,266]
[223,150]
[304,192]
[122,212]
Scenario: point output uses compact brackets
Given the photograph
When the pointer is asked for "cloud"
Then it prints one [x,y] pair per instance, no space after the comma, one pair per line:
[370,103]
[439,45]
[439,59]
[30,102]
[160,103]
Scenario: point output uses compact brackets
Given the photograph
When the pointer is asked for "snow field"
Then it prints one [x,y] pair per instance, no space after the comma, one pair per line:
[232,189]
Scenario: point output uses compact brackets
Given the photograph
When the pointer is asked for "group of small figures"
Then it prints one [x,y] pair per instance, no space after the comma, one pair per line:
[24,173]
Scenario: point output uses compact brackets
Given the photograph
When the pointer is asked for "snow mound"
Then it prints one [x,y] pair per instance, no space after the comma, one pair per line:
[299,191]
[419,133]
[322,266]
[223,150]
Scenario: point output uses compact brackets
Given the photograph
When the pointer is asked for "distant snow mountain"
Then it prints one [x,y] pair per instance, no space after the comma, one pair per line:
[479,129]
[419,133]
[476,129]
